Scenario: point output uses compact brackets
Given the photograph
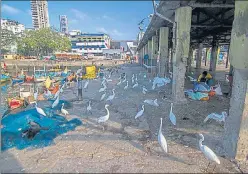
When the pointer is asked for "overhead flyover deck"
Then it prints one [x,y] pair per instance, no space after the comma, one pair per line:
[210,18]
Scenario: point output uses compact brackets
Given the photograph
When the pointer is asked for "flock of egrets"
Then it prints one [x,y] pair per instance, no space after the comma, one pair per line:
[209,154]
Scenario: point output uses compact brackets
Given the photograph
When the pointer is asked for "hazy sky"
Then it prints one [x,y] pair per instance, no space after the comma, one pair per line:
[117,18]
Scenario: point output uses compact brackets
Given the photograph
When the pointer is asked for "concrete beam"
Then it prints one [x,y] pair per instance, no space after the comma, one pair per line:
[199,57]
[149,49]
[236,132]
[164,51]
[183,24]
[209,5]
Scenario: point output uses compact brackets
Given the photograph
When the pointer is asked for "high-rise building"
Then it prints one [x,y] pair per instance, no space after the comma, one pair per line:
[63,24]
[40,16]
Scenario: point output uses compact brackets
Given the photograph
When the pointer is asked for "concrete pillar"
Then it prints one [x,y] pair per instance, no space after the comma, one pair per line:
[154,54]
[236,132]
[183,22]
[149,48]
[143,54]
[213,59]
[171,59]
[163,50]
[199,57]
[189,60]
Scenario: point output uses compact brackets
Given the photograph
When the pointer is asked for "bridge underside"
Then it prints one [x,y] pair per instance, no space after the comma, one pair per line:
[195,25]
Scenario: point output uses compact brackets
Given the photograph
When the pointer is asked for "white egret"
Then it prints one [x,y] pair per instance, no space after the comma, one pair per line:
[133,79]
[56,102]
[156,102]
[140,113]
[63,111]
[161,138]
[126,86]
[89,108]
[135,85]
[105,118]
[124,80]
[216,117]
[103,95]
[39,110]
[119,82]
[104,81]
[192,79]
[111,97]
[208,153]
[144,90]
[86,84]
[152,102]
[172,116]
[103,89]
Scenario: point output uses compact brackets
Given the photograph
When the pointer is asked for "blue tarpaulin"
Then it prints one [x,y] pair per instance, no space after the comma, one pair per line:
[15,124]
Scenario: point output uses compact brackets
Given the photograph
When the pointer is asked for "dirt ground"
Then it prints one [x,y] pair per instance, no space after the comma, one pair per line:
[126,144]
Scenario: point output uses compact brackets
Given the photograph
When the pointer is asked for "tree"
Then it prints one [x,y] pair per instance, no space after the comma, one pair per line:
[8,39]
[42,42]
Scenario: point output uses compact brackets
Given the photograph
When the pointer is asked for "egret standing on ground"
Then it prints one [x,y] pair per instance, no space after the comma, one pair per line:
[103,95]
[39,110]
[161,138]
[135,85]
[119,83]
[140,113]
[172,116]
[105,118]
[111,97]
[104,88]
[133,79]
[88,109]
[63,111]
[126,86]
[125,79]
[144,90]
[209,154]
[86,85]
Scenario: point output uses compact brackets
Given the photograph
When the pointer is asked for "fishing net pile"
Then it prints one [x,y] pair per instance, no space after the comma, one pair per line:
[17,131]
